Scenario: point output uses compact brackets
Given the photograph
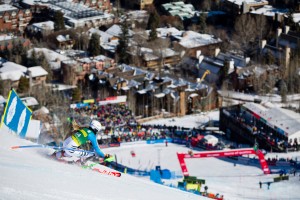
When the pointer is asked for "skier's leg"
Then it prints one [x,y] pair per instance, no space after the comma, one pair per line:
[69,143]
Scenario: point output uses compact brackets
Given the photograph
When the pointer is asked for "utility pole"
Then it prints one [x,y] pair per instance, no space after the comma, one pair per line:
[158,152]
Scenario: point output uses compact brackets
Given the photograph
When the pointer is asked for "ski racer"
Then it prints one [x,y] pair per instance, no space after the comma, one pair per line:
[81,137]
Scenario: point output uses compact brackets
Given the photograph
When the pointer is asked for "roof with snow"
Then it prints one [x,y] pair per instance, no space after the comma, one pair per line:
[239,61]
[61,87]
[180,9]
[164,32]
[52,57]
[115,30]
[104,37]
[296,17]
[30,101]
[286,120]
[63,38]
[269,10]
[47,25]
[192,39]
[240,2]
[12,71]
[37,71]
[7,7]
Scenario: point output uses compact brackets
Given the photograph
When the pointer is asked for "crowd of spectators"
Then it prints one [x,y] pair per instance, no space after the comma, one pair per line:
[121,126]
[262,131]
[111,116]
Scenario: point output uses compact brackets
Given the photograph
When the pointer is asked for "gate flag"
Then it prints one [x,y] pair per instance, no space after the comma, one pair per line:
[16,115]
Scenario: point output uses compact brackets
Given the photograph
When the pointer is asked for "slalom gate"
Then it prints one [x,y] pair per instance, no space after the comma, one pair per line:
[223,153]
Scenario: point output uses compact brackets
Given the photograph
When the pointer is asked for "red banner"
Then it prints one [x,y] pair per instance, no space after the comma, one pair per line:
[222,153]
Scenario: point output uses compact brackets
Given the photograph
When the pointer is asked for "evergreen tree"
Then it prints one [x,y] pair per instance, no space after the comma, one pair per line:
[94,45]
[152,34]
[154,20]
[23,85]
[59,23]
[33,60]
[76,96]
[122,48]
[153,24]
[202,22]
[1,87]
[43,62]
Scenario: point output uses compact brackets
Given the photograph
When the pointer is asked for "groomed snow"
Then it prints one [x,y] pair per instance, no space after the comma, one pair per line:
[30,175]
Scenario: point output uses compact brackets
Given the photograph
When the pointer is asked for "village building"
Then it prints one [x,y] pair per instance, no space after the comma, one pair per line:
[8,41]
[13,19]
[270,127]
[45,28]
[242,6]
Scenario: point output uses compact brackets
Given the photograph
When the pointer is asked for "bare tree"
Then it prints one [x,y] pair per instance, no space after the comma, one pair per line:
[159,47]
[245,31]
[139,41]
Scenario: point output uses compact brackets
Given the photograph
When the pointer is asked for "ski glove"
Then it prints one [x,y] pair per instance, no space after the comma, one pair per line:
[106,156]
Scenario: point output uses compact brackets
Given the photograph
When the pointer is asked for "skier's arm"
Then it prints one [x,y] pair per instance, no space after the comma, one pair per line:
[94,142]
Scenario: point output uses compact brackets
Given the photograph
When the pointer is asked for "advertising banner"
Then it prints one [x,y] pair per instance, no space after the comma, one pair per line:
[16,115]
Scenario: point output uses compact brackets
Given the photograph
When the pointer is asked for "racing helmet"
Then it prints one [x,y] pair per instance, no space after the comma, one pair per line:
[95,126]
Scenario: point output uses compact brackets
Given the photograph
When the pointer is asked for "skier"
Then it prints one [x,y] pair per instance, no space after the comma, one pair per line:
[80,137]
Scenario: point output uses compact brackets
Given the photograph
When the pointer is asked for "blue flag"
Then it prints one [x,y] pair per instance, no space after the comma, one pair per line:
[16,115]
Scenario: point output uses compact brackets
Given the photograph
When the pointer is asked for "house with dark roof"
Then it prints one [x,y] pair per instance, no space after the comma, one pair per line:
[286,43]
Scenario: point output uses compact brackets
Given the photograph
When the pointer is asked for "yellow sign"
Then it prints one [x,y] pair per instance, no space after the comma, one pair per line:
[89,101]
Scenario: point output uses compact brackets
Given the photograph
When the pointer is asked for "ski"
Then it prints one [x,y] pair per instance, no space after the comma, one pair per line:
[93,166]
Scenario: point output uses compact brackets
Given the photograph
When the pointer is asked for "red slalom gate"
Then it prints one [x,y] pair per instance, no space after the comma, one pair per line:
[223,153]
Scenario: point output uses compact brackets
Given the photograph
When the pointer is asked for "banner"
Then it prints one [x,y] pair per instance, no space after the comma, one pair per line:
[89,101]
[222,153]
[113,100]
[16,115]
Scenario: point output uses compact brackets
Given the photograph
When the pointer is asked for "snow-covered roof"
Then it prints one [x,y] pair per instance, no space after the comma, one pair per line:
[37,71]
[269,10]
[286,120]
[47,25]
[104,37]
[5,37]
[240,2]
[35,2]
[192,39]
[110,46]
[30,101]
[61,87]
[296,17]
[164,32]
[116,30]
[7,7]
[12,71]
[63,38]
[52,57]
[239,61]
[138,15]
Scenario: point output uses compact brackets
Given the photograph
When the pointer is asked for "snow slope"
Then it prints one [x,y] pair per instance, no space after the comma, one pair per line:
[234,180]
[29,174]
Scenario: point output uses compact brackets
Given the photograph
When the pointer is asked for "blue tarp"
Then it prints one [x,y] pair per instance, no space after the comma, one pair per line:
[155,176]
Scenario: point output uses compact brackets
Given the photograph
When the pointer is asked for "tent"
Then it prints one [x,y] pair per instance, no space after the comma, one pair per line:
[211,139]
